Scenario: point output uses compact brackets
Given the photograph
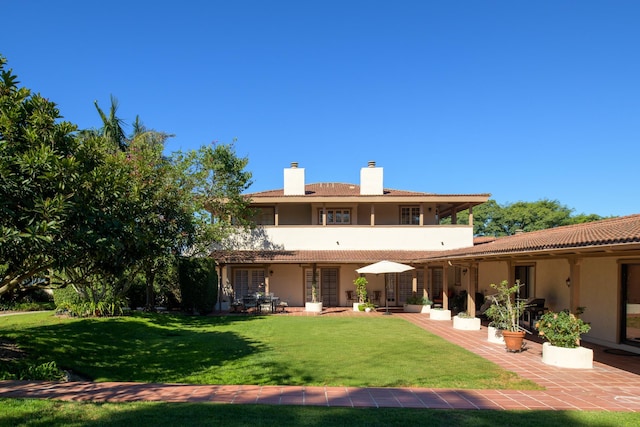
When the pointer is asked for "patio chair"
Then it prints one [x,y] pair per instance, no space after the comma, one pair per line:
[351,297]
[282,306]
[375,297]
[250,303]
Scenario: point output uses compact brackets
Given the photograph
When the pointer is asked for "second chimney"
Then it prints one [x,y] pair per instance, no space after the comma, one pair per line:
[371,180]
[294,180]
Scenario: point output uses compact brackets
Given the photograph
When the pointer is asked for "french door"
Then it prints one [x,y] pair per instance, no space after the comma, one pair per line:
[630,310]
[327,286]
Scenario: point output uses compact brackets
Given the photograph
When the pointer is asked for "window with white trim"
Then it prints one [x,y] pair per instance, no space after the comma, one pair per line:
[265,216]
[410,215]
[335,216]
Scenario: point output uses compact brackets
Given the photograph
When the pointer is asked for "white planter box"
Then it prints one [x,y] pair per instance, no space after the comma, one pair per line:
[576,358]
[494,335]
[417,308]
[356,306]
[314,307]
[440,314]
[466,323]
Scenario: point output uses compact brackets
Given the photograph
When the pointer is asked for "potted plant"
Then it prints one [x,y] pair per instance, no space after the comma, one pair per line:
[505,312]
[563,331]
[367,306]
[315,305]
[466,321]
[361,292]
[417,304]
[439,313]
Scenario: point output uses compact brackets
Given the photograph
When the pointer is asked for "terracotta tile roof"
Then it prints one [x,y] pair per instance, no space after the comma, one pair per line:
[618,232]
[324,189]
[292,257]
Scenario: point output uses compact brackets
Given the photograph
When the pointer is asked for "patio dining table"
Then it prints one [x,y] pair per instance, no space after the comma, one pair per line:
[258,301]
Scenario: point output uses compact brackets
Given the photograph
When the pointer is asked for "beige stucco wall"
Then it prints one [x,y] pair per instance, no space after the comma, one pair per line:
[598,290]
[294,214]
[551,283]
[387,214]
[491,272]
[598,293]
[287,281]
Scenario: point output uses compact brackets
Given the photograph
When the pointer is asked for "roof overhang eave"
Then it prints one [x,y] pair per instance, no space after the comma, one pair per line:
[626,249]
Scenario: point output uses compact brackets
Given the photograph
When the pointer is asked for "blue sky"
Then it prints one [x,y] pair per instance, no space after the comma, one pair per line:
[523,100]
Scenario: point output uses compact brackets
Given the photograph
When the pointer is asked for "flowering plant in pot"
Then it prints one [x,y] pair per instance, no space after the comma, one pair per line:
[504,314]
[562,331]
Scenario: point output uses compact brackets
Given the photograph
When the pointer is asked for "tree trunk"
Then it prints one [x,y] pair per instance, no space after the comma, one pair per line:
[150,277]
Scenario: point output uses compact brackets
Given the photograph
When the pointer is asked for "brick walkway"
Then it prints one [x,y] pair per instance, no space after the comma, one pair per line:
[602,388]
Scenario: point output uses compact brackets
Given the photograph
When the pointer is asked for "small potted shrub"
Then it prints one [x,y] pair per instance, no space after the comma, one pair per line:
[466,321]
[505,312]
[563,331]
[367,306]
[361,292]
[417,304]
[315,305]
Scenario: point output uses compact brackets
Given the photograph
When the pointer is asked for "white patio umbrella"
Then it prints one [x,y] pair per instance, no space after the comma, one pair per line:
[382,267]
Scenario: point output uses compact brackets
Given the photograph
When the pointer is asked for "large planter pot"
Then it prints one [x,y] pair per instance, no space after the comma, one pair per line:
[417,308]
[575,358]
[513,340]
[466,323]
[494,335]
[314,307]
[438,314]
[356,306]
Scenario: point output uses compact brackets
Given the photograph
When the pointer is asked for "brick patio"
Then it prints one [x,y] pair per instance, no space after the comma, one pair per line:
[612,385]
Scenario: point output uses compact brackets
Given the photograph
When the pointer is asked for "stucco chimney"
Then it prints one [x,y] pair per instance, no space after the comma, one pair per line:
[371,180]
[294,180]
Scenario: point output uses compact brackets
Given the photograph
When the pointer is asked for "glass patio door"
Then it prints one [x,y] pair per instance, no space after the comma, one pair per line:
[327,286]
[630,304]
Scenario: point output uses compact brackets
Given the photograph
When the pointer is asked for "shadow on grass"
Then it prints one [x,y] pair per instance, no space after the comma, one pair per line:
[31,412]
[147,348]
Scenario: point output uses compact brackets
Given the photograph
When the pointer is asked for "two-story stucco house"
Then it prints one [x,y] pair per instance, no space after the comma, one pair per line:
[335,228]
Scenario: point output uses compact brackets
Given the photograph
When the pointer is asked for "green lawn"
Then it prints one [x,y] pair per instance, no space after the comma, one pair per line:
[28,412]
[262,350]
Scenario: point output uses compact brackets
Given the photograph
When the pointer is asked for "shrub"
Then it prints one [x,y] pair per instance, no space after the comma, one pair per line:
[361,288]
[505,310]
[65,297]
[465,315]
[418,300]
[198,280]
[363,306]
[25,371]
[562,329]
[68,301]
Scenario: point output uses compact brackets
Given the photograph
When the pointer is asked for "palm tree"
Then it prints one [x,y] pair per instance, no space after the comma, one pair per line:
[112,125]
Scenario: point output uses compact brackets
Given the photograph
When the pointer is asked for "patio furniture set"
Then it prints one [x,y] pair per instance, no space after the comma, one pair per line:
[259,303]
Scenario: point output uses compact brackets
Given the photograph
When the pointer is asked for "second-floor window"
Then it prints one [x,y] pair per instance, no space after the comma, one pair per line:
[410,215]
[335,216]
[265,216]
